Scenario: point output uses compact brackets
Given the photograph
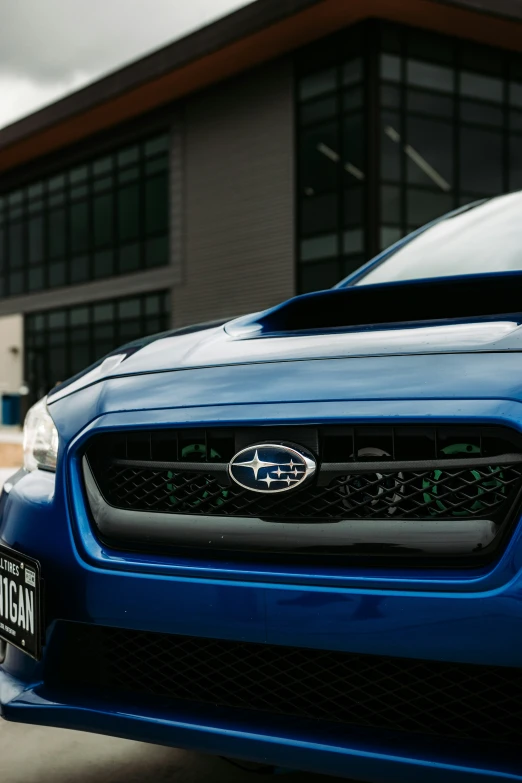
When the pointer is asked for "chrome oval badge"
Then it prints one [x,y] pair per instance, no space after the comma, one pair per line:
[271,467]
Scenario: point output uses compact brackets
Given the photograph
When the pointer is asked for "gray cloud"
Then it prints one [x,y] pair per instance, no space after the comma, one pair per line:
[48,47]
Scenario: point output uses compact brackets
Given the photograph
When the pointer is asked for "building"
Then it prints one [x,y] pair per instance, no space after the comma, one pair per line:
[270,152]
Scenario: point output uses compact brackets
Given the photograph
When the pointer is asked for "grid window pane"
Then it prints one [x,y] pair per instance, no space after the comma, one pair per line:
[331,167]
[391,67]
[80,358]
[476,85]
[129,258]
[426,205]
[319,247]
[35,190]
[16,245]
[156,145]
[103,220]
[57,273]
[481,161]
[36,278]
[353,150]
[36,239]
[79,316]
[156,165]
[15,198]
[64,342]
[103,312]
[390,96]
[128,213]
[16,283]
[131,174]
[449,132]
[453,136]
[429,152]
[129,308]
[79,227]
[129,155]
[389,235]
[391,147]
[319,213]
[79,269]
[156,205]
[481,113]
[515,120]
[435,77]
[56,183]
[75,225]
[102,184]
[420,102]
[317,84]
[515,93]
[103,263]
[156,252]
[320,158]
[353,241]
[390,204]
[78,175]
[102,166]
[153,304]
[353,206]
[56,233]
[318,110]
[353,71]
[318,276]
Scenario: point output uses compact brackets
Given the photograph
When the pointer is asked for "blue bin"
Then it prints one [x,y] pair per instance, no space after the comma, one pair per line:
[10,409]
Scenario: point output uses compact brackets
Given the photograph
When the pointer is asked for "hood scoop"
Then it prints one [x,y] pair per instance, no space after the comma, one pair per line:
[366,307]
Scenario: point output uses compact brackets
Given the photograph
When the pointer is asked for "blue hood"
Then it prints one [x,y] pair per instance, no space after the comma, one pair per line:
[459,315]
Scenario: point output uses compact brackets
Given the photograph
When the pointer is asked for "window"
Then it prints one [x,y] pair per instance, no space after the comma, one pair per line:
[331,170]
[60,343]
[448,131]
[106,217]
[444,114]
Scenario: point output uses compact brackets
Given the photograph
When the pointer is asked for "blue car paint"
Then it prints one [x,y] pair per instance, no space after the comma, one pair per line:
[470,616]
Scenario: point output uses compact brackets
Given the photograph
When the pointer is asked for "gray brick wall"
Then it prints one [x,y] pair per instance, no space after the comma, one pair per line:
[238,232]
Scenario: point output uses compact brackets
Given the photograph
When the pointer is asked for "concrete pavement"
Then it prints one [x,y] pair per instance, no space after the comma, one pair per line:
[33,754]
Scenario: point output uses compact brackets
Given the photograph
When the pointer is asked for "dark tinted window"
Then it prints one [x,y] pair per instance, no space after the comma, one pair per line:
[62,342]
[104,217]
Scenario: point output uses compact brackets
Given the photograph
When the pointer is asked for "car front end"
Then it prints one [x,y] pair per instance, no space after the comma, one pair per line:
[352,608]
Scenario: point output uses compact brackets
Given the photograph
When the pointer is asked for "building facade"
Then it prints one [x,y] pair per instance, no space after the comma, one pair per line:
[283,175]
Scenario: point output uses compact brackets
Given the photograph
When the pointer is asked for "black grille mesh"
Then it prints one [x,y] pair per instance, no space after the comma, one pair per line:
[469,492]
[427,697]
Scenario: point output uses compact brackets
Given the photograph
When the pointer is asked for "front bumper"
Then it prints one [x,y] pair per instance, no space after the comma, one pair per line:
[468,616]
[359,755]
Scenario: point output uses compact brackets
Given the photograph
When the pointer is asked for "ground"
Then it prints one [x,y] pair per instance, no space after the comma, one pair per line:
[34,754]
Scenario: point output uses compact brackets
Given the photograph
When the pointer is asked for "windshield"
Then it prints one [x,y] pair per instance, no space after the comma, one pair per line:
[485,238]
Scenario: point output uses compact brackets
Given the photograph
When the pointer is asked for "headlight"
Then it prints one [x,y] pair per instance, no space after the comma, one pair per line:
[40,438]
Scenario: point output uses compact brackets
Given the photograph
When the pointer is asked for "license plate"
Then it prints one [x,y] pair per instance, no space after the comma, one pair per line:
[20,622]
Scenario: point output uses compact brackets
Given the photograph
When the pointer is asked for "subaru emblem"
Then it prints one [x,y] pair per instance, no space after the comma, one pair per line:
[272,467]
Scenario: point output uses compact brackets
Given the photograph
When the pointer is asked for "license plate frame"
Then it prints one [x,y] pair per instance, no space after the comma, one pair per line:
[21,590]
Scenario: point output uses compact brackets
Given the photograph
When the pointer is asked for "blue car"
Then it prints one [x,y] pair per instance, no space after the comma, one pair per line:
[293,538]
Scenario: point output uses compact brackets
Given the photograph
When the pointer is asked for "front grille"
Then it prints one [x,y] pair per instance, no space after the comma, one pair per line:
[363,472]
[472,492]
[451,700]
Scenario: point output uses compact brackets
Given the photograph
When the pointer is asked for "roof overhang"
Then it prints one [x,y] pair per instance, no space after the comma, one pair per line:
[261,31]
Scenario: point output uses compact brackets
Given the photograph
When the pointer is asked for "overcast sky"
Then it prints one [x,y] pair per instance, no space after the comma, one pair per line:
[51,47]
